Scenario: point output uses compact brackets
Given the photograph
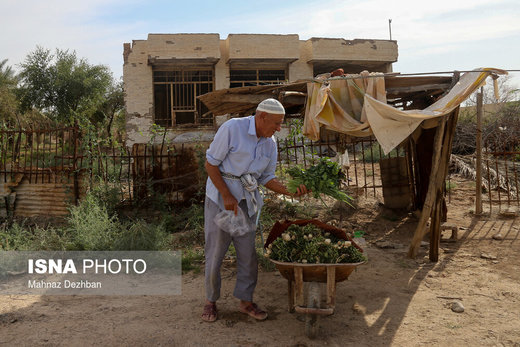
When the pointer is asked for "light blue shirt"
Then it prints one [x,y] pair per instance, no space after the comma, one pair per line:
[237,150]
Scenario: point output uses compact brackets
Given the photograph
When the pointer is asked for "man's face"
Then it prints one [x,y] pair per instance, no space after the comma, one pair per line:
[269,124]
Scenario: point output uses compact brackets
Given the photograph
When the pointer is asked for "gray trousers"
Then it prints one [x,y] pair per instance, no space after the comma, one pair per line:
[217,243]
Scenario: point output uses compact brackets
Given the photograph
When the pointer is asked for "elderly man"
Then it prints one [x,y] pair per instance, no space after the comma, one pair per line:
[242,155]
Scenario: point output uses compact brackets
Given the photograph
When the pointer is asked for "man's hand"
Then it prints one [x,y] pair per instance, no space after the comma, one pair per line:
[301,190]
[277,187]
[230,203]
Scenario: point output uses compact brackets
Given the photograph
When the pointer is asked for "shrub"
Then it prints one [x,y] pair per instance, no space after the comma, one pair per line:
[92,226]
[141,236]
[21,237]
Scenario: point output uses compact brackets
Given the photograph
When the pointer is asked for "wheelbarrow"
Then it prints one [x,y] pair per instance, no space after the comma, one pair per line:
[312,274]
[296,274]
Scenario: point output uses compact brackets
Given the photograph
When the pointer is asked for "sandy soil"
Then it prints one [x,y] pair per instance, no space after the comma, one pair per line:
[390,301]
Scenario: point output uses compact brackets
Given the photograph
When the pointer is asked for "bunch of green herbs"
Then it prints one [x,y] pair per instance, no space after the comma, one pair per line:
[322,178]
[310,245]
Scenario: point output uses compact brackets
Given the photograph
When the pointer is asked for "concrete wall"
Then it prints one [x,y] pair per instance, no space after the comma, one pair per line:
[257,46]
[138,86]
[184,46]
[356,50]
[237,50]
[301,69]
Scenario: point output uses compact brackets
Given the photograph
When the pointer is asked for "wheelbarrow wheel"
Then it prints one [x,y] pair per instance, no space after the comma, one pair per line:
[313,301]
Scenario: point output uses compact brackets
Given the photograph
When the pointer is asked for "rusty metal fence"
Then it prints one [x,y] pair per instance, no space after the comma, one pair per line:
[44,171]
[359,158]
[54,167]
[501,174]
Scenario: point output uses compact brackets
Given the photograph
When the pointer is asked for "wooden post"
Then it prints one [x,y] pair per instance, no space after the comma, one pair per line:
[431,195]
[75,165]
[478,199]
[437,215]
[435,228]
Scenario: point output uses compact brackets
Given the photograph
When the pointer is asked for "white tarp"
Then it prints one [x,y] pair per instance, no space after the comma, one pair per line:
[357,107]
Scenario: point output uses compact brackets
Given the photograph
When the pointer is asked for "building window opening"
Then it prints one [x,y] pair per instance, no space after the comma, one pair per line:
[255,77]
[175,97]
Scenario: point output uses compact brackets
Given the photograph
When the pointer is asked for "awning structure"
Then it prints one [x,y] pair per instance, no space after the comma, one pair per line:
[360,105]
[356,105]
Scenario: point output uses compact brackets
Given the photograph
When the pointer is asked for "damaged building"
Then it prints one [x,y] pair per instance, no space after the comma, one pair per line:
[164,74]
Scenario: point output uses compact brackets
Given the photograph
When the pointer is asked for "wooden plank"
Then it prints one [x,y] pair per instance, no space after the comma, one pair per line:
[431,195]
[245,98]
[437,215]
[438,174]
[419,88]
[435,234]
[406,81]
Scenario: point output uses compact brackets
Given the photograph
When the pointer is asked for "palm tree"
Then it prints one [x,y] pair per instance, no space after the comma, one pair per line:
[8,77]
[8,100]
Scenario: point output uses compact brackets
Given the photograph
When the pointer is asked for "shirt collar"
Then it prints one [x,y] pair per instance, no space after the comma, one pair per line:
[252,126]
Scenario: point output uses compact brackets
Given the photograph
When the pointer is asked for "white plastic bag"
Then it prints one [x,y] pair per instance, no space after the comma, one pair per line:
[234,225]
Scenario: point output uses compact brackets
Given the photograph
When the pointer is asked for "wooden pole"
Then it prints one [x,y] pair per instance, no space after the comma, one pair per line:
[478,199]
[429,201]
[434,198]
[435,228]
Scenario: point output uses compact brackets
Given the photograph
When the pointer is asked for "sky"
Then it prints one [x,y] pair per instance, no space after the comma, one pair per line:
[440,35]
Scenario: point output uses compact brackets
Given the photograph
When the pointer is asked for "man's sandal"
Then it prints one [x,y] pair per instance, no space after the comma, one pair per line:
[253,311]
[210,313]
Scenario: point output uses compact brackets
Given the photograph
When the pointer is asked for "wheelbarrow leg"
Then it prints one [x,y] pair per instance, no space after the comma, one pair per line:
[298,285]
[290,287]
[331,287]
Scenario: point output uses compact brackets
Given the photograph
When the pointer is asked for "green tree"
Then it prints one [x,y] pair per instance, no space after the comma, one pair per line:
[9,106]
[62,86]
[110,110]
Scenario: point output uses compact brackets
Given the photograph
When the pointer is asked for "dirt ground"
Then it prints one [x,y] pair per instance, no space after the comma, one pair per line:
[390,301]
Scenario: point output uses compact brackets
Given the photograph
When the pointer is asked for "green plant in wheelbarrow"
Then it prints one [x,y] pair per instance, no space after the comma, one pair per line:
[322,178]
[310,245]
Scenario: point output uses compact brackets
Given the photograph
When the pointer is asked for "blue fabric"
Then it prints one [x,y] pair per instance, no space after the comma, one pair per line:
[237,150]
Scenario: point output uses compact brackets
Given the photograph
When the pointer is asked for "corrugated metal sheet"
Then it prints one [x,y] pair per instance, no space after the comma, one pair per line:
[36,199]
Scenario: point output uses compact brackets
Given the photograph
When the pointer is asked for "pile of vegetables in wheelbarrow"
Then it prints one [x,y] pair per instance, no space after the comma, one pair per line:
[309,244]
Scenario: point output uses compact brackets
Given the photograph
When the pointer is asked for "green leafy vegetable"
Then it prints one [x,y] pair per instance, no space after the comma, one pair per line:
[308,244]
[322,178]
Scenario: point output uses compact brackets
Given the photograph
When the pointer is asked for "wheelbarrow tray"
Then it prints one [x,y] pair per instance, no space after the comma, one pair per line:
[316,272]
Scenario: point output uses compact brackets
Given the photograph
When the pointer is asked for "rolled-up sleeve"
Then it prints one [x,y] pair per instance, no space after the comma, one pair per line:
[219,148]
[269,172]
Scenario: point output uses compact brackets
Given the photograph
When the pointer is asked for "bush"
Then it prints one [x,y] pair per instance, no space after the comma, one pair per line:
[107,194]
[92,226]
[21,237]
[141,236]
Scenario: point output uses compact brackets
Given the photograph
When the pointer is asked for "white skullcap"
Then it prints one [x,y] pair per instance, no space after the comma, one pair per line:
[271,106]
